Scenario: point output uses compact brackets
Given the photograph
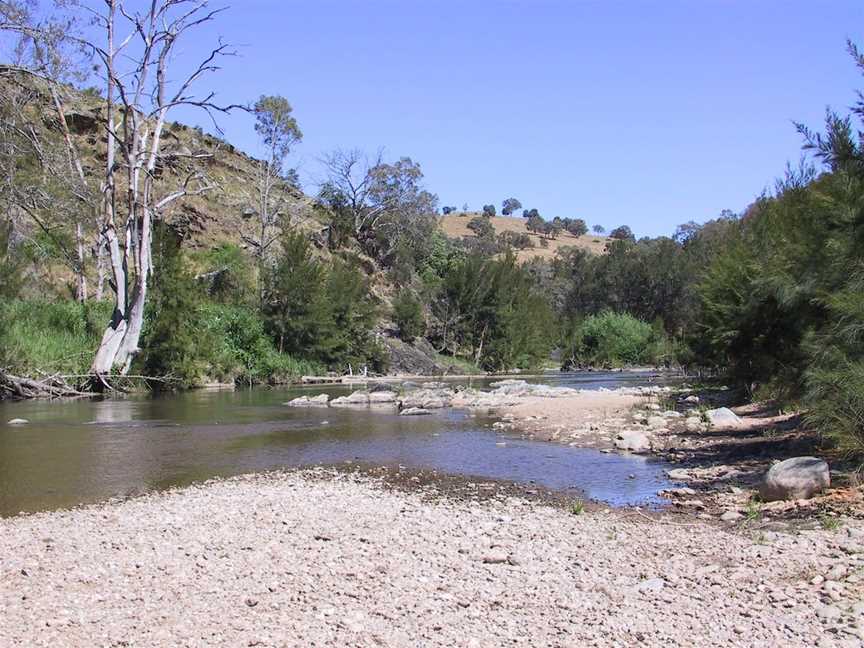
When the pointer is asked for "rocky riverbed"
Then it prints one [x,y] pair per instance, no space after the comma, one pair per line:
[332,559]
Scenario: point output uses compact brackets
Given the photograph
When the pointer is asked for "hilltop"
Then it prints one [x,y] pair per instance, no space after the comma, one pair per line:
[456,226]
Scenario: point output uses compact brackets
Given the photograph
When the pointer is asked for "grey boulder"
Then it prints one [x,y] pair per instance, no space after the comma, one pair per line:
[795,478]
[632,441]
[723,417]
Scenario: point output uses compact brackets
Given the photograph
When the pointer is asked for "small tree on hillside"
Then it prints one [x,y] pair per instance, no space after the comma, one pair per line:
[278,132]
[481,227]
[535,224]
[510,206]
[576,227]
[598,229]
[488,211]
[622,233]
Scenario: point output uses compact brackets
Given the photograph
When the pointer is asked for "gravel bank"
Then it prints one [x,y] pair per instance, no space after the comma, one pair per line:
[325,559]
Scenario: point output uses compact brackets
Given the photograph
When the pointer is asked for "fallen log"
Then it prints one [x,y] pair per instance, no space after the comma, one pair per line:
[20,388]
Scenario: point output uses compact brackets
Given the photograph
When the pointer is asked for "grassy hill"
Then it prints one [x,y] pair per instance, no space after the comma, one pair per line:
[456,226]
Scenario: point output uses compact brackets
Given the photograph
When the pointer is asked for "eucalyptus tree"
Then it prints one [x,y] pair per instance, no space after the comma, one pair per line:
[278,132]
[135,47]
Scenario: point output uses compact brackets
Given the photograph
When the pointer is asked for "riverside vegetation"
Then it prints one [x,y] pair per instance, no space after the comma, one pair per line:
[237,275]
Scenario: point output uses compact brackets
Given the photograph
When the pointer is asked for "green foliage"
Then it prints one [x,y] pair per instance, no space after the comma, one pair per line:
[243,352]
[174,344]
[489,309]
[408,316]
[54,337]
[320,312]
[614,340]
[226,275]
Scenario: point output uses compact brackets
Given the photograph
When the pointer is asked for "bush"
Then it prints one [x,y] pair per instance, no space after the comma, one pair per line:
[408,316]
[613,340]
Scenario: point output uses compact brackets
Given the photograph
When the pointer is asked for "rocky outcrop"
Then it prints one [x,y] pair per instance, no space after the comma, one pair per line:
[416,358]
[795,478]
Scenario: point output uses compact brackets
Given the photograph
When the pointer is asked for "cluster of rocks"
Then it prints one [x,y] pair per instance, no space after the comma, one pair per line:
[327,559]
[415,399]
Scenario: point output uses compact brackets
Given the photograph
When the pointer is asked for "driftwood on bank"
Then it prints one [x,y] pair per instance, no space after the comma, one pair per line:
[17,388]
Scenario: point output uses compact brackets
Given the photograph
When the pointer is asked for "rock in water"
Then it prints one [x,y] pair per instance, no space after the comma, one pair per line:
[357,398]
[723,417]
[415,411]
[796,478]
[309,401]
[18,421]
[632,440]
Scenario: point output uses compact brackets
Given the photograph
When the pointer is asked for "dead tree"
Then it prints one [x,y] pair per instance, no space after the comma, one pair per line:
[136,71]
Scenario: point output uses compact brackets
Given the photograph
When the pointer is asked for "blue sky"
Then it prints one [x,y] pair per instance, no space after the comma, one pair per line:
[645,113]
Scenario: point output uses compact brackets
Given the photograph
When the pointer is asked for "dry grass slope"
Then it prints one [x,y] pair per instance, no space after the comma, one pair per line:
[456,226]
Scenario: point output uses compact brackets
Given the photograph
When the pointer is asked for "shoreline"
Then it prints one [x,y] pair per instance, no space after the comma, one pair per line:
[341,558]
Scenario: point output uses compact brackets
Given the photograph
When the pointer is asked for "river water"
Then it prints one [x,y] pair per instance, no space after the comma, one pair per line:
[78,452]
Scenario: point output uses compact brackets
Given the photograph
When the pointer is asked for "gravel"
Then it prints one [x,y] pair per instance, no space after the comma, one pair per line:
[320,558]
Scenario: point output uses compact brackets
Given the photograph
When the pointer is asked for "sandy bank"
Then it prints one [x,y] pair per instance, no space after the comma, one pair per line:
[328,559]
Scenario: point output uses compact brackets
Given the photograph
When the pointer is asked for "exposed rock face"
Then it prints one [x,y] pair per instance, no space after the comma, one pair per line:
[795,478]
[416,358]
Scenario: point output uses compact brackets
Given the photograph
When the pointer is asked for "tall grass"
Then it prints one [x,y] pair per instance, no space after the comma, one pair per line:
[61,337]
[51,337]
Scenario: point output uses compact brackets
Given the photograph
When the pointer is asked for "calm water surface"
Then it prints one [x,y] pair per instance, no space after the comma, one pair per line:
[78,452]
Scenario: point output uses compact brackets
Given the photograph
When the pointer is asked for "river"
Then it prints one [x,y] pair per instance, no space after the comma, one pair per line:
[85,451]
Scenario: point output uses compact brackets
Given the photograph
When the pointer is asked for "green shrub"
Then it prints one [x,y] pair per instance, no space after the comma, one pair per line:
[614,339]
[408,316]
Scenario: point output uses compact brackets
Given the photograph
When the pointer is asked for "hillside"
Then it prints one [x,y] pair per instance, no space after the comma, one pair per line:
[456,226]
[221,215]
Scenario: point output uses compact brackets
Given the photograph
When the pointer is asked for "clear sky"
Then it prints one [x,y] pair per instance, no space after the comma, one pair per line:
[650,113]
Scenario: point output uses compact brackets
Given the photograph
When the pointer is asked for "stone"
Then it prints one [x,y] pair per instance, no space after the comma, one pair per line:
[632,441]
[692,399]
[731,516]
[18,421]
[828,612]
[693,424]
[651,585]
[723,417]
[655,422]
[414,411]
[795,478]
[496,557]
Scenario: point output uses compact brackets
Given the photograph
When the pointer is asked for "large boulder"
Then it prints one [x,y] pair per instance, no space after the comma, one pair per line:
[796,478]
[428,398]
[723,417]
[632,441]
